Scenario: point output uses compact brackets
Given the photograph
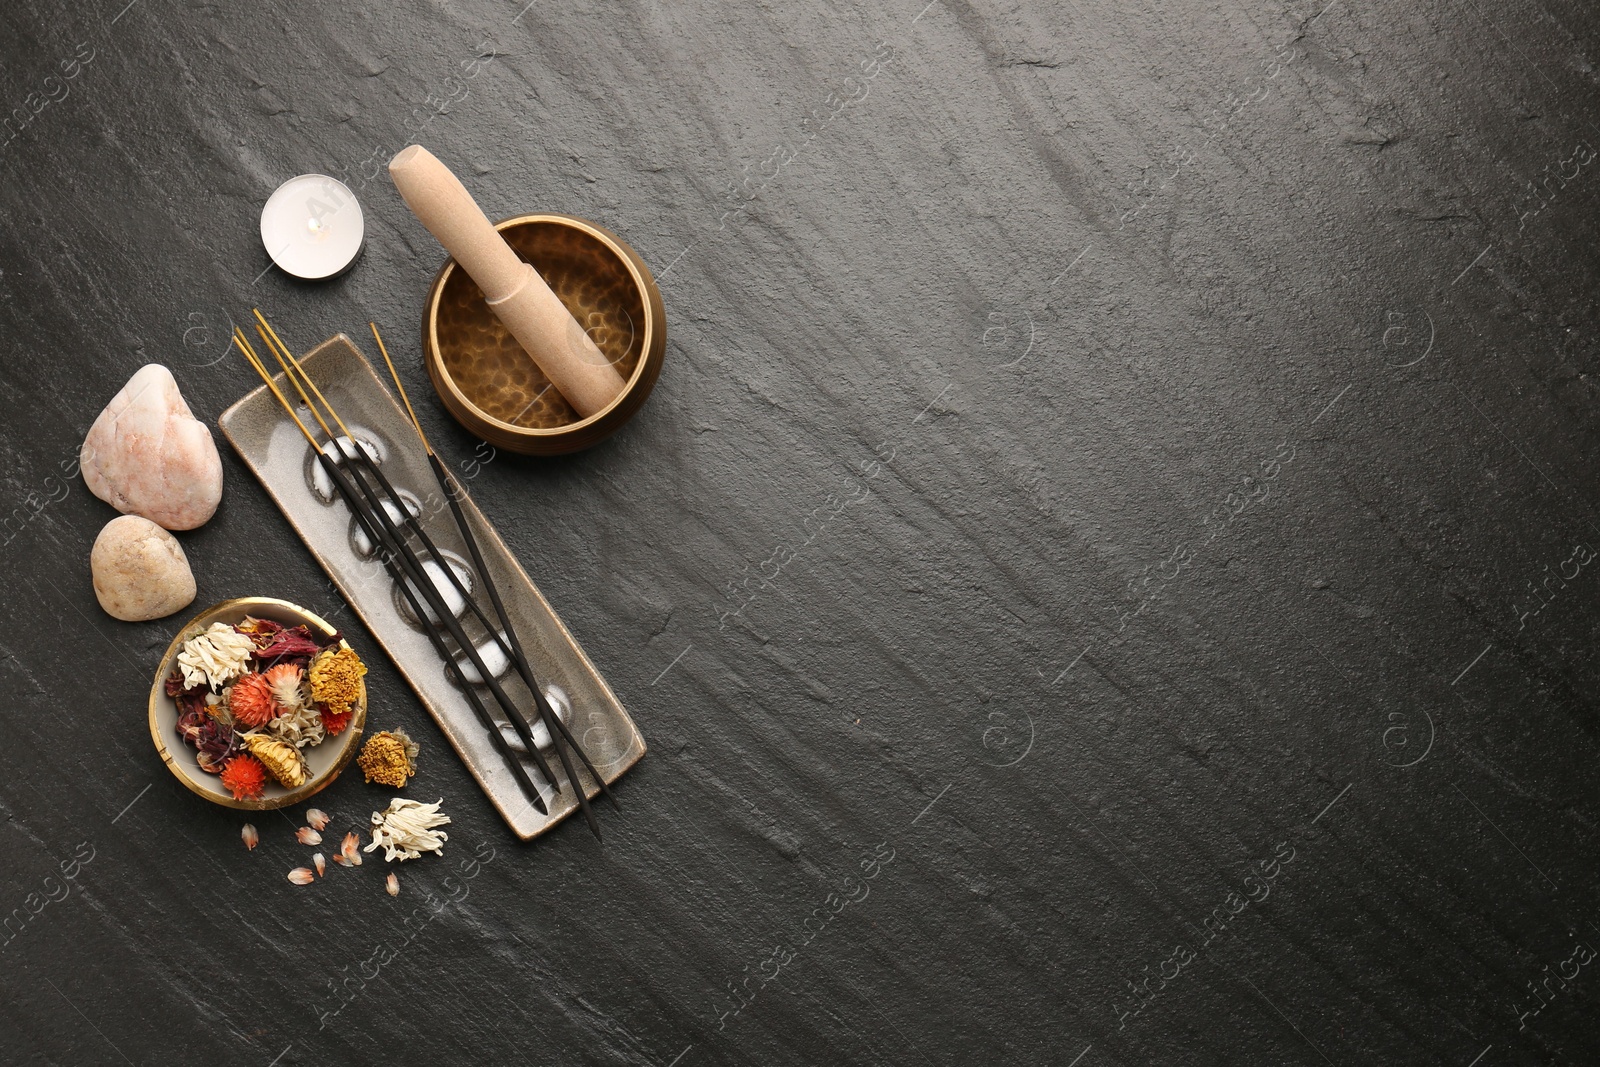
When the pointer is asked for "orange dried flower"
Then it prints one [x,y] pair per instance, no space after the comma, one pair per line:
[336,723]
[244,777]
[251,700]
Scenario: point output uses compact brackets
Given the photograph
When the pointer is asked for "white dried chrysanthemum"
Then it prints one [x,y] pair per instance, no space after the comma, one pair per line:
[406,829]
[215,657]
[300,727]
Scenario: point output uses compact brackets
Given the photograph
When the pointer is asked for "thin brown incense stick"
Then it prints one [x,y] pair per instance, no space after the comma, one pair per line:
[349,494]
[512,644]
[255,362]
[404,397]
[359,461]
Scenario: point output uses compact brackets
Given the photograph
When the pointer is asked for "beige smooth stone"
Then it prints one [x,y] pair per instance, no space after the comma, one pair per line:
[140,571]
[148,455]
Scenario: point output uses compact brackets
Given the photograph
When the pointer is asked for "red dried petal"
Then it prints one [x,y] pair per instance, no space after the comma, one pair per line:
[260,631]
[193,700]
[294,642]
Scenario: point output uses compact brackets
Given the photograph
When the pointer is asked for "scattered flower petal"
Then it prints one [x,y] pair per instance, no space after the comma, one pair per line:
[307,836]
[350,851]
[393,882]
[301,876]
[321,864]
[317,818]
[249,836]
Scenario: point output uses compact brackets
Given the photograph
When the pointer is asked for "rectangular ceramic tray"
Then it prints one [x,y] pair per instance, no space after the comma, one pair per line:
[277,453]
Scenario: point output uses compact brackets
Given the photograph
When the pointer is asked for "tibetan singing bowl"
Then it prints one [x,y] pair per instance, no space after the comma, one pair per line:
[494,388]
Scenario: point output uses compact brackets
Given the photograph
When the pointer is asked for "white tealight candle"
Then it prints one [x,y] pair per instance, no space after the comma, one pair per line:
[312,226]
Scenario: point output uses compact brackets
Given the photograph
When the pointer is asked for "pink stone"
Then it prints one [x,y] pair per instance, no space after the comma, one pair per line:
[147,455]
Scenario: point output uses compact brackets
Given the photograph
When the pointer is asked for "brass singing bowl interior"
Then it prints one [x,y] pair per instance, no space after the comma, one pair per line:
[324,761]
[494,389]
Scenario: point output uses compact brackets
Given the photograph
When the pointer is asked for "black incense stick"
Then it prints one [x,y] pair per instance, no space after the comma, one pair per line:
[353,501]
[452,491]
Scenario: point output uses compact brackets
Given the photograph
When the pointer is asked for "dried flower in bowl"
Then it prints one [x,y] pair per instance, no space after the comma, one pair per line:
[389,758]
[285,682]
[301,727]
[213,740]
[336,679]
[282,761]
[260,631]
[293,643]
[335,724]
[250,701]
[244,777]
[215,657]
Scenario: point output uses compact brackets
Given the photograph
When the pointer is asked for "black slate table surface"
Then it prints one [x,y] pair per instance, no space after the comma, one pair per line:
[1103,575]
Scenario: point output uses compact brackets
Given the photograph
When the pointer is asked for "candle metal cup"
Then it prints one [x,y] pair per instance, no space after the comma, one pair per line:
[492,386]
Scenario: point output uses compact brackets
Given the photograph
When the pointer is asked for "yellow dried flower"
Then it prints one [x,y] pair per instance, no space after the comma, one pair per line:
[336,679]
[282,761]
[388,758]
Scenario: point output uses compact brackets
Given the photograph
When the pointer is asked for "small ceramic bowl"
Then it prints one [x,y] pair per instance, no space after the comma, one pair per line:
[324,761]
[493,387]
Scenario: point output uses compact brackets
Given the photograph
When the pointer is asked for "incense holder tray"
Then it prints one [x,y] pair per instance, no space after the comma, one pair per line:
[274,450]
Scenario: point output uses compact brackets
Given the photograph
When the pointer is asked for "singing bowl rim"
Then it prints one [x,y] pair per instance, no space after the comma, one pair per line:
[585,432]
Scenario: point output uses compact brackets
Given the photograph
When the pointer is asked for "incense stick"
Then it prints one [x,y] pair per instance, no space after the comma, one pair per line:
[452,493]
[351,499]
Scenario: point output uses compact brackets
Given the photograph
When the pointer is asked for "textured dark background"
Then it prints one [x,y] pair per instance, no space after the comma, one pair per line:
[1213,386]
